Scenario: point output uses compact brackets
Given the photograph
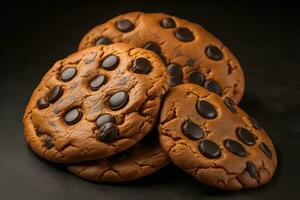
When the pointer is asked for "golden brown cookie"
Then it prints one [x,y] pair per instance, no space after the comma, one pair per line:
[214,140]
[142,159]
[190,52]
[95,103]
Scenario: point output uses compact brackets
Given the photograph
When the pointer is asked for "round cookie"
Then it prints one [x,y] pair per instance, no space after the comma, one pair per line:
[142,159]
[190,52]
[214,140]
[95,103]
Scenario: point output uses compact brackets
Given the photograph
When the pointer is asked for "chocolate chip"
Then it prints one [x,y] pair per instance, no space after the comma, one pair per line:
[48,143]
[235,147]
[152,46]
[175,80]
[108,132]
[97,82]
[255,123]
[55,93]
[168,23]
[245,136]
[42,103]
[213,53]
[110,62]
[118,100]
[68,73]
[196,77]
[141,66]
[190,62]
[229,104]
[104,41]
[118,157]
[73,116]
[206,110]
[39,131]
[209,149]
[251,168]
[266,150]
[213,86]
[125,25]
[192,130]
[105,118]
[184,35]
[174,70]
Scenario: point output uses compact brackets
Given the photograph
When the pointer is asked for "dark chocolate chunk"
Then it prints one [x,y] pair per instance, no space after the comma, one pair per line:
[192,130]
[42,103]
[255,123]
[245,136]
[213,53]
[97,82]
[152,46]
[229,104]
[209,149]
[196,77]
[105,118]
[184,35]
[110,62]
[68,73]
[125,25]
[168,23]
[141,66]
[55,93]
[206,110]
[118,100]
[213,86]
[175,80]
[235,147]
[73,116]
[108,132]
[104,41]
[266,150]
[48,142]
[174,70]
[251,168]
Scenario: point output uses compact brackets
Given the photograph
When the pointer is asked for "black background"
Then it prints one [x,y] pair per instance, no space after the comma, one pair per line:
[263,36]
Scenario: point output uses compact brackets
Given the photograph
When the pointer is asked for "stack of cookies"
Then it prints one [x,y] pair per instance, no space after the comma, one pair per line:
[145,90]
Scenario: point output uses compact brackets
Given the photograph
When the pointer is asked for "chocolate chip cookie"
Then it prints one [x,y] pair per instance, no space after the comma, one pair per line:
[191,53]
[214,140]
[142,159]
[95,103]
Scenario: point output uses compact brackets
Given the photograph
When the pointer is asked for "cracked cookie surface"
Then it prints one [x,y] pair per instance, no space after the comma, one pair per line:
[215,141]
[190,52]
[95,103]
[144,158]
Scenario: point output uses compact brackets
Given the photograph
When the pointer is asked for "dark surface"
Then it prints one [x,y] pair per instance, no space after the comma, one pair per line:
[264,37]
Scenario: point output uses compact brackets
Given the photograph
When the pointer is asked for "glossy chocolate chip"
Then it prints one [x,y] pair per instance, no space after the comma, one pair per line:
[184,35]
[97,82]
[255,123]
[104,41]
[152,46]
[245,136]
[266,150]
[192,130]
[209,149]
[55,93]
[105,118]
[118,157]
[229,104]
[213,86]
[125,25]
[168,23]
[174,70]
[108,132]
[42,103]
[175,80]
[110,62]
[73,116]
[48,142]
[206,110]
[68,73]
[141,66]
[214,53]
[251,168]
[196,77]
[118,100]
[235,147]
